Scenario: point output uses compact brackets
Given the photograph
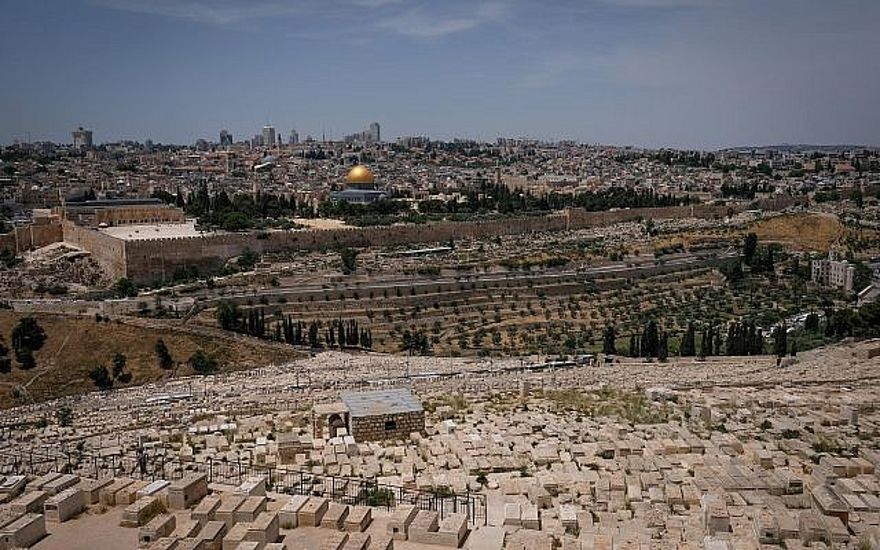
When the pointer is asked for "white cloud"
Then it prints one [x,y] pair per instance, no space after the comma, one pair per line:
[215,12]
[420,23]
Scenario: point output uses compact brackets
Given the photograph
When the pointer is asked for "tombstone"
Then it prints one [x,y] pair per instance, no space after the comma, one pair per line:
[93,487]
[139,512]
[359,518]
[159,527]
[29,503]
[287,516]
[334,516]
[60,484]
[23,532]
[108,493]
[255,486]
[264,529]
[312,512]
[212,535]
[250,509]
[357,541]
[401,519]
[226,511]
[65,505]
[206,509]
[235,536]
[186,492]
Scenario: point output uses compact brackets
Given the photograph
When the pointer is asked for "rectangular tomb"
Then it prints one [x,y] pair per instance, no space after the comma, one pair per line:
[64,505]
[188,491]
[23,532]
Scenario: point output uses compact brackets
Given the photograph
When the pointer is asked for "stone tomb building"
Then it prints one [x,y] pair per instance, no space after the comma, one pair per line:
[370,416]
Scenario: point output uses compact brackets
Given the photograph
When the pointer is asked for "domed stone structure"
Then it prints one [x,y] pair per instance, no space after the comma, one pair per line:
[360,187]
[360,177]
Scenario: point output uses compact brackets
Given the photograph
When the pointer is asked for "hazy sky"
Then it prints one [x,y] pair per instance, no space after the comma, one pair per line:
[678,73]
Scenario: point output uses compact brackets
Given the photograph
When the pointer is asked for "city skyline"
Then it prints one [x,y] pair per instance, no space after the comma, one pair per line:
[699,74]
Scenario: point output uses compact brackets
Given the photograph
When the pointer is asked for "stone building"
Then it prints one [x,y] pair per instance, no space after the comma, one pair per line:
[833,272]
[370,416]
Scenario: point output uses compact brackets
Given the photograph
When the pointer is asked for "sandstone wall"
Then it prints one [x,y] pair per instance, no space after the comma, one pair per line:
[159,259]
[32,236]
[108,252]
[373,428]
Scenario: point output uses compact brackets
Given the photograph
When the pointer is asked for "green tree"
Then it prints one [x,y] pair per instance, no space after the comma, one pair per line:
[119,361]
[856,196]
[203,363]
[119,372]
[608,338]
[248,259]
[64,415]
[663,347]
[780,340]
[650,339]
[750,247]
[25,358]
[235,221]
[228,315]
[166,362]
[314,339]
[124,288]
[416,342]
[688,342]
[349,260]
[101,377]
[5,360]
[28,334]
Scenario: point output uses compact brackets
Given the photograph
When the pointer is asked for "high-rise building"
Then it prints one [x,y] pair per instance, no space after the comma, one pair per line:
[82,138]
[268,136]
[293,139]
[225,138]
[370,135]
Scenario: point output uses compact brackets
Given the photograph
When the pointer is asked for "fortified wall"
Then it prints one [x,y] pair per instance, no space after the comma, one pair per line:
[151,260]
[42,232]
[107,251]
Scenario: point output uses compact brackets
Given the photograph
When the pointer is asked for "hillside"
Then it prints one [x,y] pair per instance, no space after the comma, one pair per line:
[807,232]
[74,345]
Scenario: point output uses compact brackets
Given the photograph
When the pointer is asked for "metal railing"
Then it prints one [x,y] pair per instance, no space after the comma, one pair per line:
[346,490]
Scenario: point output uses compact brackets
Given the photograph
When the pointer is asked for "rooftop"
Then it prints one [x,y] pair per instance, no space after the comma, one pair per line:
[375,403]
[153,231]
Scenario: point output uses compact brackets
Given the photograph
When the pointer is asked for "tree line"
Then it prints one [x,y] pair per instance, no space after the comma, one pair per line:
[316,334]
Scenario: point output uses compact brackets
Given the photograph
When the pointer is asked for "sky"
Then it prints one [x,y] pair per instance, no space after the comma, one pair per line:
[701,74]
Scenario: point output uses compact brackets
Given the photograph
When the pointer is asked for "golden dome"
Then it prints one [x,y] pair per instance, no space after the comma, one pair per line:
[360,174]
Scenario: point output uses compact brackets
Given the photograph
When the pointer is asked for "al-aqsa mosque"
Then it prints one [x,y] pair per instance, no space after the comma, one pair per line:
[360,187]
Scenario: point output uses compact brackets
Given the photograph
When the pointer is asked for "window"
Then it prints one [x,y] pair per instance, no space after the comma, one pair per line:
[390,425]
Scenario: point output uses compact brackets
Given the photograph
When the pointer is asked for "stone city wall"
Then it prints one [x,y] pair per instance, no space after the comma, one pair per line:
[107,251]
[42,232]
[159,259]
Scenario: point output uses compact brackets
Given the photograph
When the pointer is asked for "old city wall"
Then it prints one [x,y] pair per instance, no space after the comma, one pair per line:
[35,235]
[139,214]
[107,251]
[151,260]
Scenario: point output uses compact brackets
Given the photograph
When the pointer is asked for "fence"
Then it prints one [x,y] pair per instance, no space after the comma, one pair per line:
[353,491]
